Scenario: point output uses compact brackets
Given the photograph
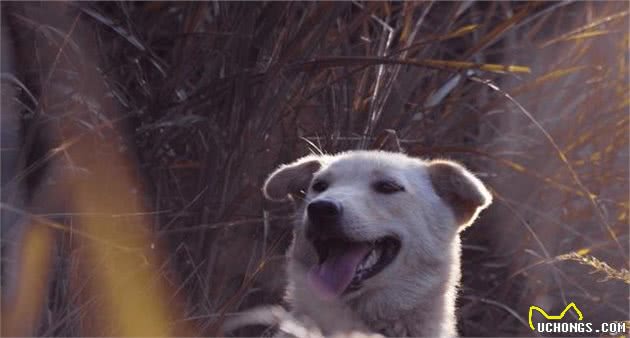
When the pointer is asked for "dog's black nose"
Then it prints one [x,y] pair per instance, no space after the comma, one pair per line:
[324,210]
[323,216]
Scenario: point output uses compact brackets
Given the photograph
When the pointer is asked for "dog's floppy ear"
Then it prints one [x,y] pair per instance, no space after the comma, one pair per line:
[291,179]
[462,191]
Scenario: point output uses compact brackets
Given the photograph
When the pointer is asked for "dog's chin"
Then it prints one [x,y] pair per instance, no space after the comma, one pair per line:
[345,266]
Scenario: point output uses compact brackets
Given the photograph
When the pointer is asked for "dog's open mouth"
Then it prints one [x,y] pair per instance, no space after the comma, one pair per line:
[344,265]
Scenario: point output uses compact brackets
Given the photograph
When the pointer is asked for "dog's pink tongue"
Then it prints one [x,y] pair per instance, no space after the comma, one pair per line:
[334,275]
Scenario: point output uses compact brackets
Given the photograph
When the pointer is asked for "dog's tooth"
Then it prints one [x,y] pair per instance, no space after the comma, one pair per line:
[365,263]
[371,259]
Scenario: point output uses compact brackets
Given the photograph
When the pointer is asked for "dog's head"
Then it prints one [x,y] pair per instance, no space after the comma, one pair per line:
[370,220]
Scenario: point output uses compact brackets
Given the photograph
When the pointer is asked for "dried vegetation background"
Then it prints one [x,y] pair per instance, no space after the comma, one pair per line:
[203,100]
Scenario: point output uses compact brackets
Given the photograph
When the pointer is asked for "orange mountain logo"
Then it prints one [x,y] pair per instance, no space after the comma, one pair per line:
[550,317]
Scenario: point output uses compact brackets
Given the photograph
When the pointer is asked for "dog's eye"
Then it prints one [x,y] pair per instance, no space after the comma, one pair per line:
[387,187]
[319,186]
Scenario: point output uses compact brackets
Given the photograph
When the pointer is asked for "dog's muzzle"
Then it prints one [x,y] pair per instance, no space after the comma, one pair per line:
[344,263]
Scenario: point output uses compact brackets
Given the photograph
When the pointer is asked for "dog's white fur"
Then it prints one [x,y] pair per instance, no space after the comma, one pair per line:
[415,294]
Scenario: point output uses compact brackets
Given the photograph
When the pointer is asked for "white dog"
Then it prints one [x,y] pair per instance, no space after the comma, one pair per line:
[376,246]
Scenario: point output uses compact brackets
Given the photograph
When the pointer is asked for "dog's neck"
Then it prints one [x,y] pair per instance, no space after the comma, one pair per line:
[434,321]
[433,316]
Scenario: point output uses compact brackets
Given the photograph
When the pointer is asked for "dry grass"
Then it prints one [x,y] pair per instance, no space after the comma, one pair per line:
[598,266]
[197,102]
